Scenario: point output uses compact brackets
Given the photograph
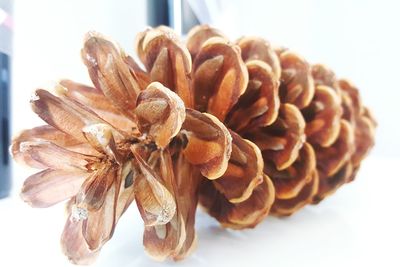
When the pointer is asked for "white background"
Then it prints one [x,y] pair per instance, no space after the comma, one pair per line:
[359,39]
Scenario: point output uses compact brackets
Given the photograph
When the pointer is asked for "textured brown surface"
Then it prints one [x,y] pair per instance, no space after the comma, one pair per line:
[241,129]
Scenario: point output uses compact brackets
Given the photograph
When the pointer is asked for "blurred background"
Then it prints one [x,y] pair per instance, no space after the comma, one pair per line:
[359,39]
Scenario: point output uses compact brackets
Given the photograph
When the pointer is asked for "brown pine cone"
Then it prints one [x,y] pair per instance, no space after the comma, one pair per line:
[240,128]
[311,128]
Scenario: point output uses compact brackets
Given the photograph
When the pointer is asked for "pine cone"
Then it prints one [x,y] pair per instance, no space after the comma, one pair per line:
[240,128]
[311,128]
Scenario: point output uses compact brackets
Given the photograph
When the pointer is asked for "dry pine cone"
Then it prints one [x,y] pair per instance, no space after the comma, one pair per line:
[243,129]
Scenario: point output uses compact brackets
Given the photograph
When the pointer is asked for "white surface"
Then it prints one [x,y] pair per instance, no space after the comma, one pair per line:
[358,226]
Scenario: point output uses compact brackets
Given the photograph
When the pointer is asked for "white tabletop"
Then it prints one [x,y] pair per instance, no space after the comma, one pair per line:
[358,226]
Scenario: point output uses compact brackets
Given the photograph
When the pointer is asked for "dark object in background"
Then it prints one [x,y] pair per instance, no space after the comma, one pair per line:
[177,14]
[159,13]
[4,125]
[5,51]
